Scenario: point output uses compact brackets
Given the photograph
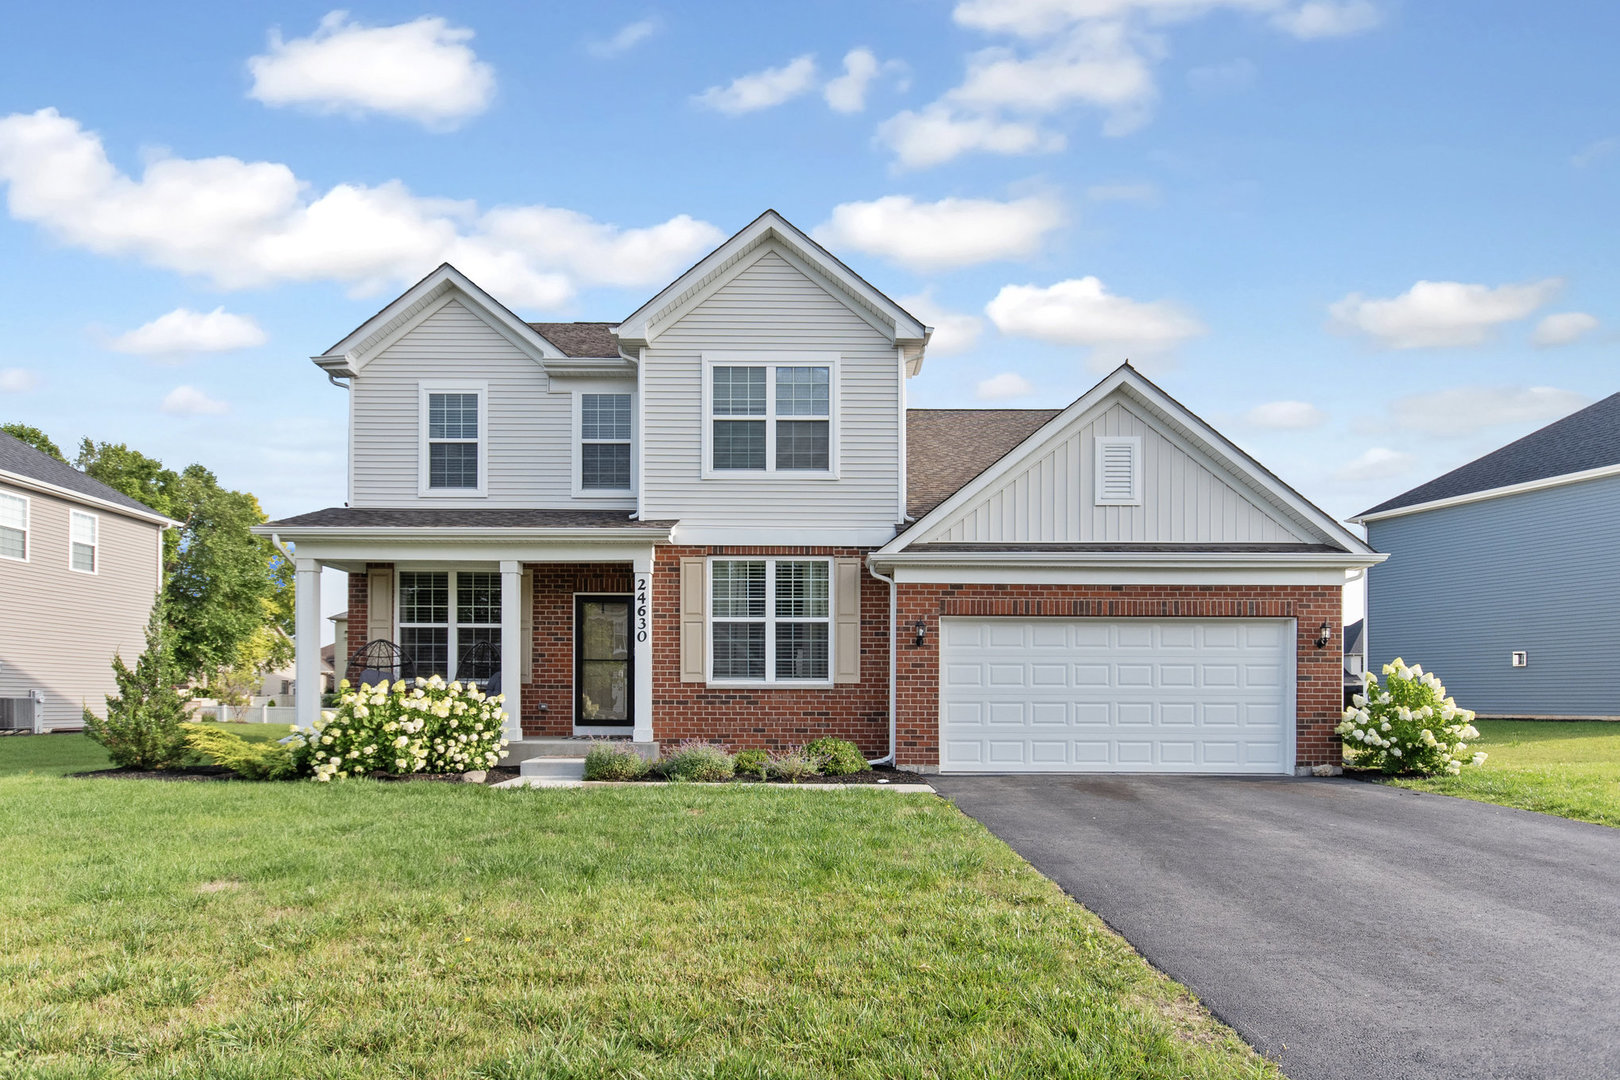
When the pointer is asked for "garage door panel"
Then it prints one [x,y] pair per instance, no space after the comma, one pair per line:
[1049,713]
[1091,674]
[1092,712]
[1045,635]
[1008,634]
[1008,675]
[1133,635]
[1007,713]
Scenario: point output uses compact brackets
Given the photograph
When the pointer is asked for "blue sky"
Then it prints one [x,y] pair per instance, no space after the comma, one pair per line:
[1241,195]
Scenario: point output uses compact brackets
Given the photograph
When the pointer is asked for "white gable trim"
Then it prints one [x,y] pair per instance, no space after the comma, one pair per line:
[646,322]
[1493,493]
[1183,428]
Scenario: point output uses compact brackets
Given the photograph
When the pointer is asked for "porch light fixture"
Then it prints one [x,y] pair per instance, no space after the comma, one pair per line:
[921,628]
[1323,636]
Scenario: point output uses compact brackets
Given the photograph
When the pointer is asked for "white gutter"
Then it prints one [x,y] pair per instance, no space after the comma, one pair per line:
[1164,559]
[433,534]
[894,637]
[1492,493]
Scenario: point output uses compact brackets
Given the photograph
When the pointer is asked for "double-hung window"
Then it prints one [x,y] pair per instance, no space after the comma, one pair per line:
[770,620]
[83,547]
[605,424]
[13,526]
[452,446]
[771,417]
[450,622]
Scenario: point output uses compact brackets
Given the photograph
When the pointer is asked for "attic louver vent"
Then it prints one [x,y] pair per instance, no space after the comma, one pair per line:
[1119,471]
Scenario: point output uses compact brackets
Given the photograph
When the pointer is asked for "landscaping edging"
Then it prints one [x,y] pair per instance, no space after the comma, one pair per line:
[548,782]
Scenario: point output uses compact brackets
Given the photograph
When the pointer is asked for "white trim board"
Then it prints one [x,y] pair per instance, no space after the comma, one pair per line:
[1493,493]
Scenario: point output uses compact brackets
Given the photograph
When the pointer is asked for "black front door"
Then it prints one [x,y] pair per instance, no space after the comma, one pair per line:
[603,666]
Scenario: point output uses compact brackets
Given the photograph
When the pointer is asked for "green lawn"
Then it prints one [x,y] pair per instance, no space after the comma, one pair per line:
[1571,769]
[57,755]
[433,930]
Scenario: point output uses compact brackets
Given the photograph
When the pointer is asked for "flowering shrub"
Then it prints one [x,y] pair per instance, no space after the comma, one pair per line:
[697,760]
[751,762]
[432,726]
[1408,724]
[608,760]
[796,763]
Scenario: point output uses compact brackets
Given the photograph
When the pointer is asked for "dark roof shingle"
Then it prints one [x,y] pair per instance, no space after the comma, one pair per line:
[1588,439]
[946,448]
[347,517]
[587,340]
[18,457]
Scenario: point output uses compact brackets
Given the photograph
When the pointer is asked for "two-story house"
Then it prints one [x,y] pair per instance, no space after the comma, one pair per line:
[717,519]
[80,565]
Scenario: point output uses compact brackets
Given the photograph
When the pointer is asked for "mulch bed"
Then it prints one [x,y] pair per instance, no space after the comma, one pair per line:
[189,772]
[878,774]
[881,774]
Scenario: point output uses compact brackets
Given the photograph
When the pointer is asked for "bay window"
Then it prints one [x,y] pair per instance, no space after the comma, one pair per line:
[770,620]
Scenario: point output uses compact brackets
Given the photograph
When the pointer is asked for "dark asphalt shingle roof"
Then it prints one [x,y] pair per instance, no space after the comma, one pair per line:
[1588,439]
[945,448]
[1352,636]
[345,517]
[18,457]
[591,340]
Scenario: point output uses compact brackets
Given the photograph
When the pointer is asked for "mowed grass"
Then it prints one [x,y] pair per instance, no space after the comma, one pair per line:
[434,930]
[71,752]
[1568,768]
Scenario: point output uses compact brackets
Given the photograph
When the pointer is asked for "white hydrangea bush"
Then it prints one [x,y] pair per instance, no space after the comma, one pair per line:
[430,726]
[1408,724]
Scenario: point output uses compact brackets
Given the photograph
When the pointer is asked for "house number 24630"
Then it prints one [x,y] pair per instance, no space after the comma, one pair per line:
[643,587]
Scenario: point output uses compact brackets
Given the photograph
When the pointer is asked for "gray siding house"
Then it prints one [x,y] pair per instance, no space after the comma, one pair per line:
[80,565]
[1504,574]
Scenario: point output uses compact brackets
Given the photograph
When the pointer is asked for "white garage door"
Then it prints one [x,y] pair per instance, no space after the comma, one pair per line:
[1125,695]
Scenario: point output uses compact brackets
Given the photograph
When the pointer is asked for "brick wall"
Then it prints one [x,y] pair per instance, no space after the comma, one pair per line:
[359,606]
[552,668]
[1320,671]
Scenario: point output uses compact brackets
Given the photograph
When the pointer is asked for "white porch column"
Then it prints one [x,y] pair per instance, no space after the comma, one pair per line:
[641,624]
[512,645]
[307,642]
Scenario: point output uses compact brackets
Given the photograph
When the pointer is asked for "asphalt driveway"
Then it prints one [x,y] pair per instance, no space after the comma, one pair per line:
[1345,929]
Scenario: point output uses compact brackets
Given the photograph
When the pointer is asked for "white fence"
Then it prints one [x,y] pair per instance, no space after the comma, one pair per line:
[253,714]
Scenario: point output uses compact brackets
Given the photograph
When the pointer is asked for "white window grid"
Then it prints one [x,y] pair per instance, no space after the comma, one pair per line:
[772,619]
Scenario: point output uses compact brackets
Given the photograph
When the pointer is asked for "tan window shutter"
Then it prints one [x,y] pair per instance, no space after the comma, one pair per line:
[379,605]
[526,621]
[694,637]
[847,620]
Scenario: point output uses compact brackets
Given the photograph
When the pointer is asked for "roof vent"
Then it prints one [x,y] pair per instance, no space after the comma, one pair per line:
[1119,470]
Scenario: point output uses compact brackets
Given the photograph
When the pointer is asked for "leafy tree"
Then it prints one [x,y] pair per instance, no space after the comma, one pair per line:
[144,726]
[34,437]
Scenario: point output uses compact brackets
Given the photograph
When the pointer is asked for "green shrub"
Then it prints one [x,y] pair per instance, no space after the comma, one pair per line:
[752,763]
[254,759]
[145,726]
[796,763]
[607,760]
[431,727]
[844,758]
[698,761]
[1409,725]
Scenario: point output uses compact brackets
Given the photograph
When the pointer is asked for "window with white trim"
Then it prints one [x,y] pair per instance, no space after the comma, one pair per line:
[771,417]
[460,640]
[83,548]
[770,620]
[1119,470]
[605,425]
[13,526]
[452,440]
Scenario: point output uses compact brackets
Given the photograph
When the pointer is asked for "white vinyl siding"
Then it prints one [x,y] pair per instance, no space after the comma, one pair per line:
[772,307]
[13,527]
[1183,495]
[84,554]
[770,621]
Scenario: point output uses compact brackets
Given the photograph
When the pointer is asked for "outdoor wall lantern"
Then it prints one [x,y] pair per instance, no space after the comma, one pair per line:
[1323,636]
[922,632]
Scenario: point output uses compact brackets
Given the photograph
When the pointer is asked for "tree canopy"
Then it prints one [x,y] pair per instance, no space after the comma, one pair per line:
[34,437]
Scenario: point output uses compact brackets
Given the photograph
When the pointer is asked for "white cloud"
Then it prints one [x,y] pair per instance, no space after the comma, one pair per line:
[1563,328]
[1036,18]
[1328,18]
[1379,463]
[1461,410]
[1081,311]
[1286,415]
[1147,194]
[249,224]
[422,70]
[16,380]
[184,331]
[762,89]
[944,234]
[847,92]
[954,331]
[1440,314]
[1096,63]
[1232,76]
[624,39]
[189,401]
[1008,384]
[1595,151]
[939,133]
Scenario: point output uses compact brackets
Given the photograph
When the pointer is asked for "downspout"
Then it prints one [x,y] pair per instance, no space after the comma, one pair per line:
[894,638]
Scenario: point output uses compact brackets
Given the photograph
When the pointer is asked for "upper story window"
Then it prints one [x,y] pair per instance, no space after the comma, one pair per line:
[770,620]
[1119,470]
[83,547]
[453,432]
[771,417]
[13,526]
[605,426]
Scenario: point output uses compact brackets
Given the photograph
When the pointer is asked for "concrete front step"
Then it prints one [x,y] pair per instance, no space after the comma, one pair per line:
[548,767]
[526,749]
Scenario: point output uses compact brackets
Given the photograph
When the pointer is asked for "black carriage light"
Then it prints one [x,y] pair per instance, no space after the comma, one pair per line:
[922,632]
[1323,636]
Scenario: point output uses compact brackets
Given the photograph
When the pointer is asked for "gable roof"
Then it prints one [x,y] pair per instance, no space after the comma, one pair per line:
[19,460]
[945,448]
[1127,381]
[1580,442]
[581,340]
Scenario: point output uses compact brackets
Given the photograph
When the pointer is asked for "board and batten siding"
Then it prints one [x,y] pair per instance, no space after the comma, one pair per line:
[1465,586]
[772,306]
[528,444]
[62,628]
[1052,498]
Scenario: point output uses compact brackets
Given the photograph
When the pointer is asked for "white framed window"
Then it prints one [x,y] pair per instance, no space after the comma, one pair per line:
[604,442]
[770,621]
[454,426]
[1119,470]
[83,543]
[770,416]
[13,526]
[450,621]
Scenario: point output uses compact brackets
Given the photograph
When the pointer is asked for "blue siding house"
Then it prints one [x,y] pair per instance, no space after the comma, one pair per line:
[1503,575]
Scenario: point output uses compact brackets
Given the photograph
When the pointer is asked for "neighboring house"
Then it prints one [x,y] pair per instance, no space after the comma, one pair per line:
[1504,574]
[718,520]
[1355,655]
[80,565]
